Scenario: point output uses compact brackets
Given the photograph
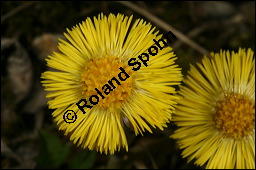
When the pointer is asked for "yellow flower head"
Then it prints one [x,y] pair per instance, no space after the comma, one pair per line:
[105,75]
[216,116]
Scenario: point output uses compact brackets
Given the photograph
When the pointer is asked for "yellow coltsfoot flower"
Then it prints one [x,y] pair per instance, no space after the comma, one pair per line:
[216,115]
[109,72]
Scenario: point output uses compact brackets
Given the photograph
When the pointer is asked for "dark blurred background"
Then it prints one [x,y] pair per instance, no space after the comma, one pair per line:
[30,31]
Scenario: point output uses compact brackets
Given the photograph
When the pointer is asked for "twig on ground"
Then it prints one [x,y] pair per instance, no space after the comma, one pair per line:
[236,19]
[166,27]
[193,33]
[16,10]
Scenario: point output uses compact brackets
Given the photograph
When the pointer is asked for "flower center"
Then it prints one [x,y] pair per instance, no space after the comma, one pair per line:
[111,77]
[235,115]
